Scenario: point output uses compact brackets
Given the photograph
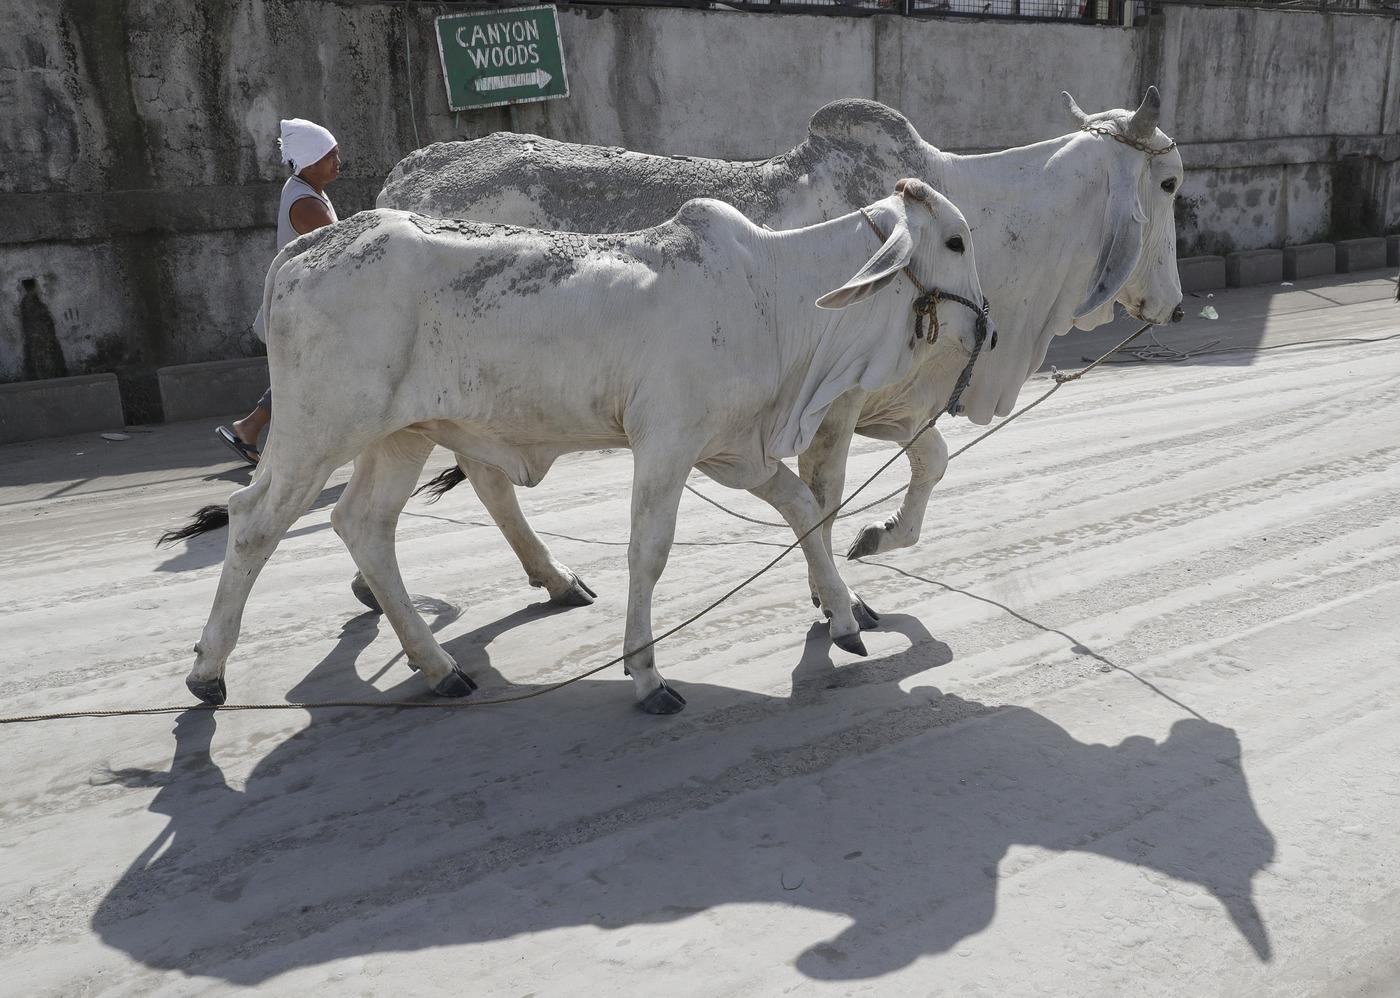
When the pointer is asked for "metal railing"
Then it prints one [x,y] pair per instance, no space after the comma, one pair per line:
[1082,11]
[1124,12]
[1326,6]
[1088,11]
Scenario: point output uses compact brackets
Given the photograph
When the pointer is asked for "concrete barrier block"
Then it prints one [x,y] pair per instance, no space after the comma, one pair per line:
[1360,254]
[58,407]
[1309,260]
[1201,273]
[1392,251]
[1257,266]
[214,388]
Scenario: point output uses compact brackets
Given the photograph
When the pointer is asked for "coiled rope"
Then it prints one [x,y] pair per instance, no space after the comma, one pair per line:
[451,704]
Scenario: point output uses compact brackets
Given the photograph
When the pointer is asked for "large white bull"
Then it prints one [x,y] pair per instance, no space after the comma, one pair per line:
[1064,228]
[696,343]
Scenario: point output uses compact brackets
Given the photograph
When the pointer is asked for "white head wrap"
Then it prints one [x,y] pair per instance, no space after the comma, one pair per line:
[304,142]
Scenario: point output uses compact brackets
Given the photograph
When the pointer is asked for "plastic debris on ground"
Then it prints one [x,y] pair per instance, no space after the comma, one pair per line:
[1209,312]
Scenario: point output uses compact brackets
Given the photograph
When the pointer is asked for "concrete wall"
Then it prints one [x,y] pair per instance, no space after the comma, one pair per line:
[139,171]
[1289,124]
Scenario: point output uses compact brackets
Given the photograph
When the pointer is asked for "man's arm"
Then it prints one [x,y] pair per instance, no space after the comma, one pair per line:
[308,213]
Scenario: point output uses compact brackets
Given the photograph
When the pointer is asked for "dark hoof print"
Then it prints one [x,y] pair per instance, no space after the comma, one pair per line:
[362,592]
[851,643]
[662,700]
[210,691]
[577,594]
[455,684]
[866,544]
[867,618]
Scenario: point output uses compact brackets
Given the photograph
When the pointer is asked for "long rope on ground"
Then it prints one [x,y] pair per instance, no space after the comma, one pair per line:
[449,704]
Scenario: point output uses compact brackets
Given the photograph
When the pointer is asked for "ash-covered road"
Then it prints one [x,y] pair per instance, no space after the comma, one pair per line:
[1130,725]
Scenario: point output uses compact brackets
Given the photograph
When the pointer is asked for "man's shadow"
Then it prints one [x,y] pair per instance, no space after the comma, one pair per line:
[851,796]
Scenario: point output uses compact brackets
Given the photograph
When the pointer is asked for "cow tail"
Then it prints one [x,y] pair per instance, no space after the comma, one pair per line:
[442,484]
[205,519]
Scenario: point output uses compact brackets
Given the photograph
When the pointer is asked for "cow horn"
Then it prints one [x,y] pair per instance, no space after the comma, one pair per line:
[1077,117]
[1144,123]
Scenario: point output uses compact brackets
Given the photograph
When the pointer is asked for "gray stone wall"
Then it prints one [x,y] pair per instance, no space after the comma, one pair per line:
[139,169]
[1289,124]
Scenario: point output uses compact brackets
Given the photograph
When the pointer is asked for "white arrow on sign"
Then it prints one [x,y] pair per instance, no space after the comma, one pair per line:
[538,78]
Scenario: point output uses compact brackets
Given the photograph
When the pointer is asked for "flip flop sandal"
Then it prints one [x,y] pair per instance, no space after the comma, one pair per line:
[247,452]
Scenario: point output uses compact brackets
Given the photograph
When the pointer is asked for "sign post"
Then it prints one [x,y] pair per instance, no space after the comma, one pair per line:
[509,56]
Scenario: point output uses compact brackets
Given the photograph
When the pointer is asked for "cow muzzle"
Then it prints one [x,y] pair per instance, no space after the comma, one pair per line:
[1158,315]
[927,305]
[983,335]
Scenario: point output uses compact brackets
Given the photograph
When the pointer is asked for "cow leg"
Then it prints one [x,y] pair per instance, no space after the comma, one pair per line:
[258,517]
[823,467]
[497,494]
[928,460]
[366,517]
[791,497]
[656,495]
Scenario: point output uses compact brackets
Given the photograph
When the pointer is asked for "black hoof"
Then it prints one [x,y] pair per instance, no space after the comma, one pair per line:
[209,690]
[851,643]
[577,594]
[867,618]
[363,593]
[662,700]
[867,543]
[455,684]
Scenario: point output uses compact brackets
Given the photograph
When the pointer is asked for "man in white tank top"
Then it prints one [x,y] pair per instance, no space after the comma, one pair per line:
[314,157]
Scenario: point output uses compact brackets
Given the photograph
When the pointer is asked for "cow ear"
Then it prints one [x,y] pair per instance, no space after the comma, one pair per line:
[854,292]
[1125,225]
[878,272]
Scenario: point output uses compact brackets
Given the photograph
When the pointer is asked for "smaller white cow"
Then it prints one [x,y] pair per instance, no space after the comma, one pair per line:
[1066,227]
[696,343]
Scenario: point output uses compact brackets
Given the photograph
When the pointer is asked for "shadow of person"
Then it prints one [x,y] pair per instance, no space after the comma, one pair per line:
[373,831]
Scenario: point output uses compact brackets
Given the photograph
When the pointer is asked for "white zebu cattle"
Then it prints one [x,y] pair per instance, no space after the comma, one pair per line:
[695,343]
[1064,228]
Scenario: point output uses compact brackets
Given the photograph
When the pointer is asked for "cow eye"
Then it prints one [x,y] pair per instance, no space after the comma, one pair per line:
[955,244]
[1169,185]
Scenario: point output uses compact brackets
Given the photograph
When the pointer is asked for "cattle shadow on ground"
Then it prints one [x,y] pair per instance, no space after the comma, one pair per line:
[372,831]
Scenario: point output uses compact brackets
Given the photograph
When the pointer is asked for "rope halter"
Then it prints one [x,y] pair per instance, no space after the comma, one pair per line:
[927,305]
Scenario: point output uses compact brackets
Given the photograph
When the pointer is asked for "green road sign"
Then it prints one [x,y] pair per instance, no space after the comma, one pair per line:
[501,57]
